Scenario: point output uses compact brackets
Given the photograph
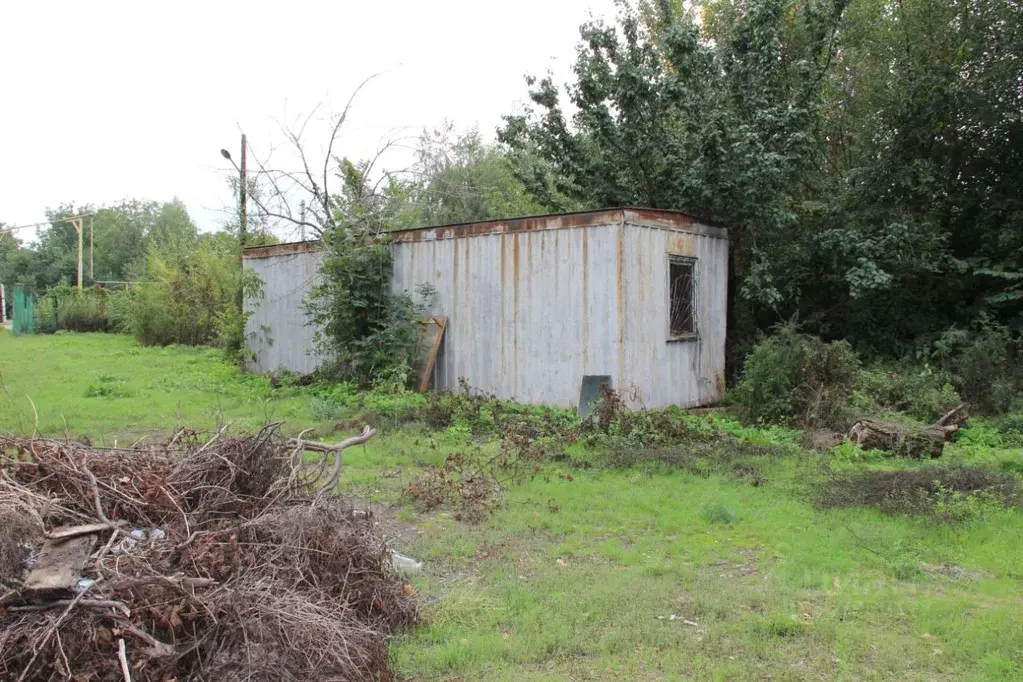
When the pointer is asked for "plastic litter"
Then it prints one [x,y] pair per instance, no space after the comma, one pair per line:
[406,565]
[83,584]
[29,554]
[126,545]
[133,538]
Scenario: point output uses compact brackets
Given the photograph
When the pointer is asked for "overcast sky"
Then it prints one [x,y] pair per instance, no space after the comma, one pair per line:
[104,100]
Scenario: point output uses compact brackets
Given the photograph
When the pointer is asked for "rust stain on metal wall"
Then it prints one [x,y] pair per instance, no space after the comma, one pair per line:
[282,249]
[556,221]
[515,313]
[621,308]
[682,245]
[586,301]
[503,322]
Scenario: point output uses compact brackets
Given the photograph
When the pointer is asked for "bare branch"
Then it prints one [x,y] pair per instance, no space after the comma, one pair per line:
[363,437]
[336,129]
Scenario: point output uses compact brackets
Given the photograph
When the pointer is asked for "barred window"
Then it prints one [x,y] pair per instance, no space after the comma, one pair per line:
[682,297]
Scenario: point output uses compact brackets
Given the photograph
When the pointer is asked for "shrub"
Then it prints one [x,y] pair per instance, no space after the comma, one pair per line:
[189,297]
[947,494]
[64,308]
[922,392]
[371,333]
[797,379]
[717,513]
[987,363]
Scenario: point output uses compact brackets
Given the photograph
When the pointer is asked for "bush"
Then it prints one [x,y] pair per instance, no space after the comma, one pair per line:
[189,296]
[717,513]
[797,379]
[946,494]
[64,308]
[372,333]
[987,363]
[920,392]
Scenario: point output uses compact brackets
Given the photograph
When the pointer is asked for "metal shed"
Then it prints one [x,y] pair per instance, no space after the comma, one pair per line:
[538,307]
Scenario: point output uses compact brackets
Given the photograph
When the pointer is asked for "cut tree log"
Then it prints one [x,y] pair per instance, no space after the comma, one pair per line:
[907,440]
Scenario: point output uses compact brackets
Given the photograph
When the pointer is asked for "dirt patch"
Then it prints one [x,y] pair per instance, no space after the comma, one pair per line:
[821,440]
[397,533]
[742,566]
[953,571]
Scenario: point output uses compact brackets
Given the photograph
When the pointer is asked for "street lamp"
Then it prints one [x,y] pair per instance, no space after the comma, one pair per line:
[243,214]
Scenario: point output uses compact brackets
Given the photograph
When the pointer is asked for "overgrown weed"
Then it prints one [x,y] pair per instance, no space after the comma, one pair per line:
[944,494]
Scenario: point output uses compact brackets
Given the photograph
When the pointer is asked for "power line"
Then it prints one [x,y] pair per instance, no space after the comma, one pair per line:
[46,222]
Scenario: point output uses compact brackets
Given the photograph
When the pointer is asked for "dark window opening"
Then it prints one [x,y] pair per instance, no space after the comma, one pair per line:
[682,296]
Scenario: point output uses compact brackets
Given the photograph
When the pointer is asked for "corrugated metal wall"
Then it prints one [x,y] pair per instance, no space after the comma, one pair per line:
[528,313]
[531,312]
[277,331]
[689,372]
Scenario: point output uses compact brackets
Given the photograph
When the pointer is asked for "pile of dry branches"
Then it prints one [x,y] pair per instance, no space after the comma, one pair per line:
[211,561]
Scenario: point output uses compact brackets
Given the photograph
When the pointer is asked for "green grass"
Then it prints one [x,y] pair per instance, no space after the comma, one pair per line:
[105,387]
[645,573]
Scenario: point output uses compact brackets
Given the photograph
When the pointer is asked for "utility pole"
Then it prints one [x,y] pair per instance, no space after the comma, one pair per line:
[243,214]
[244,191]
[77,223]
[92,277]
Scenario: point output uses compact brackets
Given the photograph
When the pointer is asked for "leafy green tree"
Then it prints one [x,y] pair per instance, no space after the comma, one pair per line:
[459,178]
[865,154]
[119,234]
[665,119]
[369,332]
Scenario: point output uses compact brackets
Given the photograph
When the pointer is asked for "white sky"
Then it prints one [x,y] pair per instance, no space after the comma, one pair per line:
[104,100]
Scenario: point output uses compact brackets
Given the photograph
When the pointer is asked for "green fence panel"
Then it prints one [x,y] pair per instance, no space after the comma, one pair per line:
[30,313]
[23,321]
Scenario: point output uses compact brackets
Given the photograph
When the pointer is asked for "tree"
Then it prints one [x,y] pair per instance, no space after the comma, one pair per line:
[458,178]
[665,119]
[119,234]
[863,153]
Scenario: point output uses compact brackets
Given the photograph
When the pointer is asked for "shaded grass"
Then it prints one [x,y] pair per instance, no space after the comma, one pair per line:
[920,490]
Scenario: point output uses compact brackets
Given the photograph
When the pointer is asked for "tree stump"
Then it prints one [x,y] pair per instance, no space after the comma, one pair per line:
[905,440]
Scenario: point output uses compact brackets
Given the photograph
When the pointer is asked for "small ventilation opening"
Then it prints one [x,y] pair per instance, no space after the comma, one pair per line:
[590,391]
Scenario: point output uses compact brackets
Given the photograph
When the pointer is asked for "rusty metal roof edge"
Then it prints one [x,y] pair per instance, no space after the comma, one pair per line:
[700,229]
[643,217]
[555,221]
[285,249]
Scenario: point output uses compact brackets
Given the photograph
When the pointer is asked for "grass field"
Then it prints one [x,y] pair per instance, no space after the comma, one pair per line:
[638,573]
